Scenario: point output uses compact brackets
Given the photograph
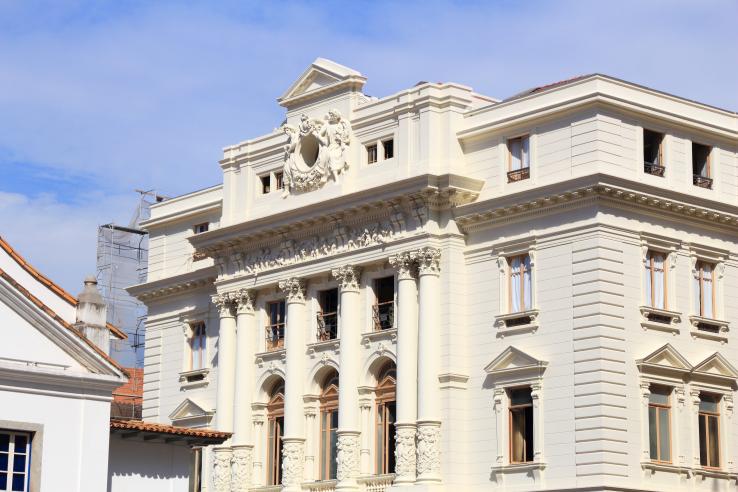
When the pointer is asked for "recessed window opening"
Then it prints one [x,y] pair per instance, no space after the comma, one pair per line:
[328,315]
[384,307]
[659,424]
[389,149]
[709,430]
[701,172]
[265,184]
[371,153]
[653,152]
[275,325]
[521,425]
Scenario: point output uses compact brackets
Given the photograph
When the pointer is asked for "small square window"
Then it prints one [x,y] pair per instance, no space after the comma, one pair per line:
[265,184]
[200,228]
[279,180]
[371,153]
[389,149]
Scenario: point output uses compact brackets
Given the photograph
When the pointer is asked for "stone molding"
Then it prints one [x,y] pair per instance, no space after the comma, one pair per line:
[348,277]
[294,289]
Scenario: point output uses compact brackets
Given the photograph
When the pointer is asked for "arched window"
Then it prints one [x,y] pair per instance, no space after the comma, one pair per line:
[328,426]
[386,417]
[275,413]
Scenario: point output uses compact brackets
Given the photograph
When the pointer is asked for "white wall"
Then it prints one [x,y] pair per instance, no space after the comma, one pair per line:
[137,466]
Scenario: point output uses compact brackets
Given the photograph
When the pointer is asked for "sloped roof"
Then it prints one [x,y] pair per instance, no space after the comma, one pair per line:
[209,435]
[48,283]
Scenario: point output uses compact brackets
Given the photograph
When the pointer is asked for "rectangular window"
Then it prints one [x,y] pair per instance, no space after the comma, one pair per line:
[384,307]
[328,443]
[519,158]
[521,425]
[279,180]
[15,460]
[274,450]
[371,153]
[198,346]
[328,316]
[389,149]
[265,184]
[200,228]
[653,159]
[659,424]
[655,275]
[520,284]
[275,325]
[709,422]
[701,172]
[704,289]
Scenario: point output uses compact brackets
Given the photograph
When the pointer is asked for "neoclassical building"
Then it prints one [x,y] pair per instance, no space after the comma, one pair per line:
[441,290]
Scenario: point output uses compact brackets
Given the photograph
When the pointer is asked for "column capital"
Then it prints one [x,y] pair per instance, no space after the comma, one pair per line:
[405,264]
[348,277]
[294,289]
[429,261]
[244,300]
[224,303]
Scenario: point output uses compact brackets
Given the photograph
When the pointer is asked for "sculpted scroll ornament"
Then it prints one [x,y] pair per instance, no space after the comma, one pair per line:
[241,469]
[429,449]
[405,452]
[222,470]
[316,149]
[348,456]
[292,463]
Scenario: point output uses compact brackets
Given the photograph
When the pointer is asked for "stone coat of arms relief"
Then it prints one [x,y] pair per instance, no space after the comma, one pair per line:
[316,150]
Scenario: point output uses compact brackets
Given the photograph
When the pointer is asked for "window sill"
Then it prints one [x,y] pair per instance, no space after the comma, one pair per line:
[324,346]
[660,319]
[520,322]
[271,355]
[534,468]
[721,328]
[715,473]
[194,379]
[379,335]
[653,467]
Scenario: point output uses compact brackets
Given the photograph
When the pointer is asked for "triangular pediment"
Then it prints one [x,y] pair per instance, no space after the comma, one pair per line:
[321,77]
[717,365]
[666,357]
[189,409]
[513,360]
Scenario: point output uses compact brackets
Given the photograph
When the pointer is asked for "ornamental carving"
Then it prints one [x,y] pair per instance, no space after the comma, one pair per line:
[315,151]
[429,261]
[241,469]
[405,264]
[348,456]
[405,453]
[222,470]
[348,277]
[429,449]
[224,303]
[293,457]
[294,289]
[340,240]
[245,301]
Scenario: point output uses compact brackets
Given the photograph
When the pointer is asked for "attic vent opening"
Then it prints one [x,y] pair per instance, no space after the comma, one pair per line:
[309,147]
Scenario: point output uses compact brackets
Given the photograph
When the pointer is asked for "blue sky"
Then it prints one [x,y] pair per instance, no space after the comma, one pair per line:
[99,98]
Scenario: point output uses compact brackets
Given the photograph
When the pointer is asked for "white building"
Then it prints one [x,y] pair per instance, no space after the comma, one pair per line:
[56,381]
[440,290]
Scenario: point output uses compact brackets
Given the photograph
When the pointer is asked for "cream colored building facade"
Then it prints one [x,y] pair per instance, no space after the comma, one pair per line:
[440,290]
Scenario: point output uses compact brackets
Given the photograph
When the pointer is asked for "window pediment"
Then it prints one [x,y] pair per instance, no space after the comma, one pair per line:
[513,363]
[188,410]
[665,359]
[717,367]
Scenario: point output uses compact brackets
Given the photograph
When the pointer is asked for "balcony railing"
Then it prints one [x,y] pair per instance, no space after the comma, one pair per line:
[702,181]
[654,169]
[275,336]
[376,483]
[327,326]
[518,175]
[384,316]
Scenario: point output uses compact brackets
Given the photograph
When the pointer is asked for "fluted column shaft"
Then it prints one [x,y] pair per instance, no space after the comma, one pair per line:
[293,454]
[407,369]
[349,445]
[243,443]
[429,357]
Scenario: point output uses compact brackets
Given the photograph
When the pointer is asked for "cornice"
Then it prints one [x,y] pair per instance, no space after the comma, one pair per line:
[21,377]
[173,285]
[177,215]
[612,190]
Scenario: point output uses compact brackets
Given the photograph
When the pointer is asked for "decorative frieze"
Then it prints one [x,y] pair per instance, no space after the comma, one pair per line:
[241,465]
[294,289]
[348,277]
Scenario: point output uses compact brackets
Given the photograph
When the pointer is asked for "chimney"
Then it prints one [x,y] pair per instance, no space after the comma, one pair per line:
[92,315]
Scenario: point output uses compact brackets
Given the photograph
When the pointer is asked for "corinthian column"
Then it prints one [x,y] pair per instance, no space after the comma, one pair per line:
[407,369]
[429,342]
[224,392]
[293,452]
[243,444]
[349,445]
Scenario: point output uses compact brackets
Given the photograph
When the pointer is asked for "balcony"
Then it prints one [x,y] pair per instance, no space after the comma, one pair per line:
[653,169]
[702,181]
[518,175]
[274,337]
[660,319]
[384,315]
[327,326]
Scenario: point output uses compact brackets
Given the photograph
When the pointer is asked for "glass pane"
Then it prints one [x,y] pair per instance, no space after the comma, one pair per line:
[4,442]
[3,481]
[333,456]
[526,152]
[19,482]
[19,463]
[703,441]
[652,434]
[708,404]
[714,442]
[20,443]
[517,437]
[520,396]
[529,434]
[659,396]
[334,420]
[515,154]
[3,462]
[664,437]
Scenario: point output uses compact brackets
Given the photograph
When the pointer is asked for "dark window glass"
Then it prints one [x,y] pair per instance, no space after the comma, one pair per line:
[389,149]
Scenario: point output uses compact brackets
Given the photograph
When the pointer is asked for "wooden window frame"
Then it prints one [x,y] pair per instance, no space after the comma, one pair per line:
[328,405]
[199,331]
[509,151]
[699,267]
[652,271]
[385,393]
[708,415]
[522,283]
[708,164]
[11,454]
[270,346]
[278,180]
[510,410]
[658,430]
[275,410]
[369,149]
